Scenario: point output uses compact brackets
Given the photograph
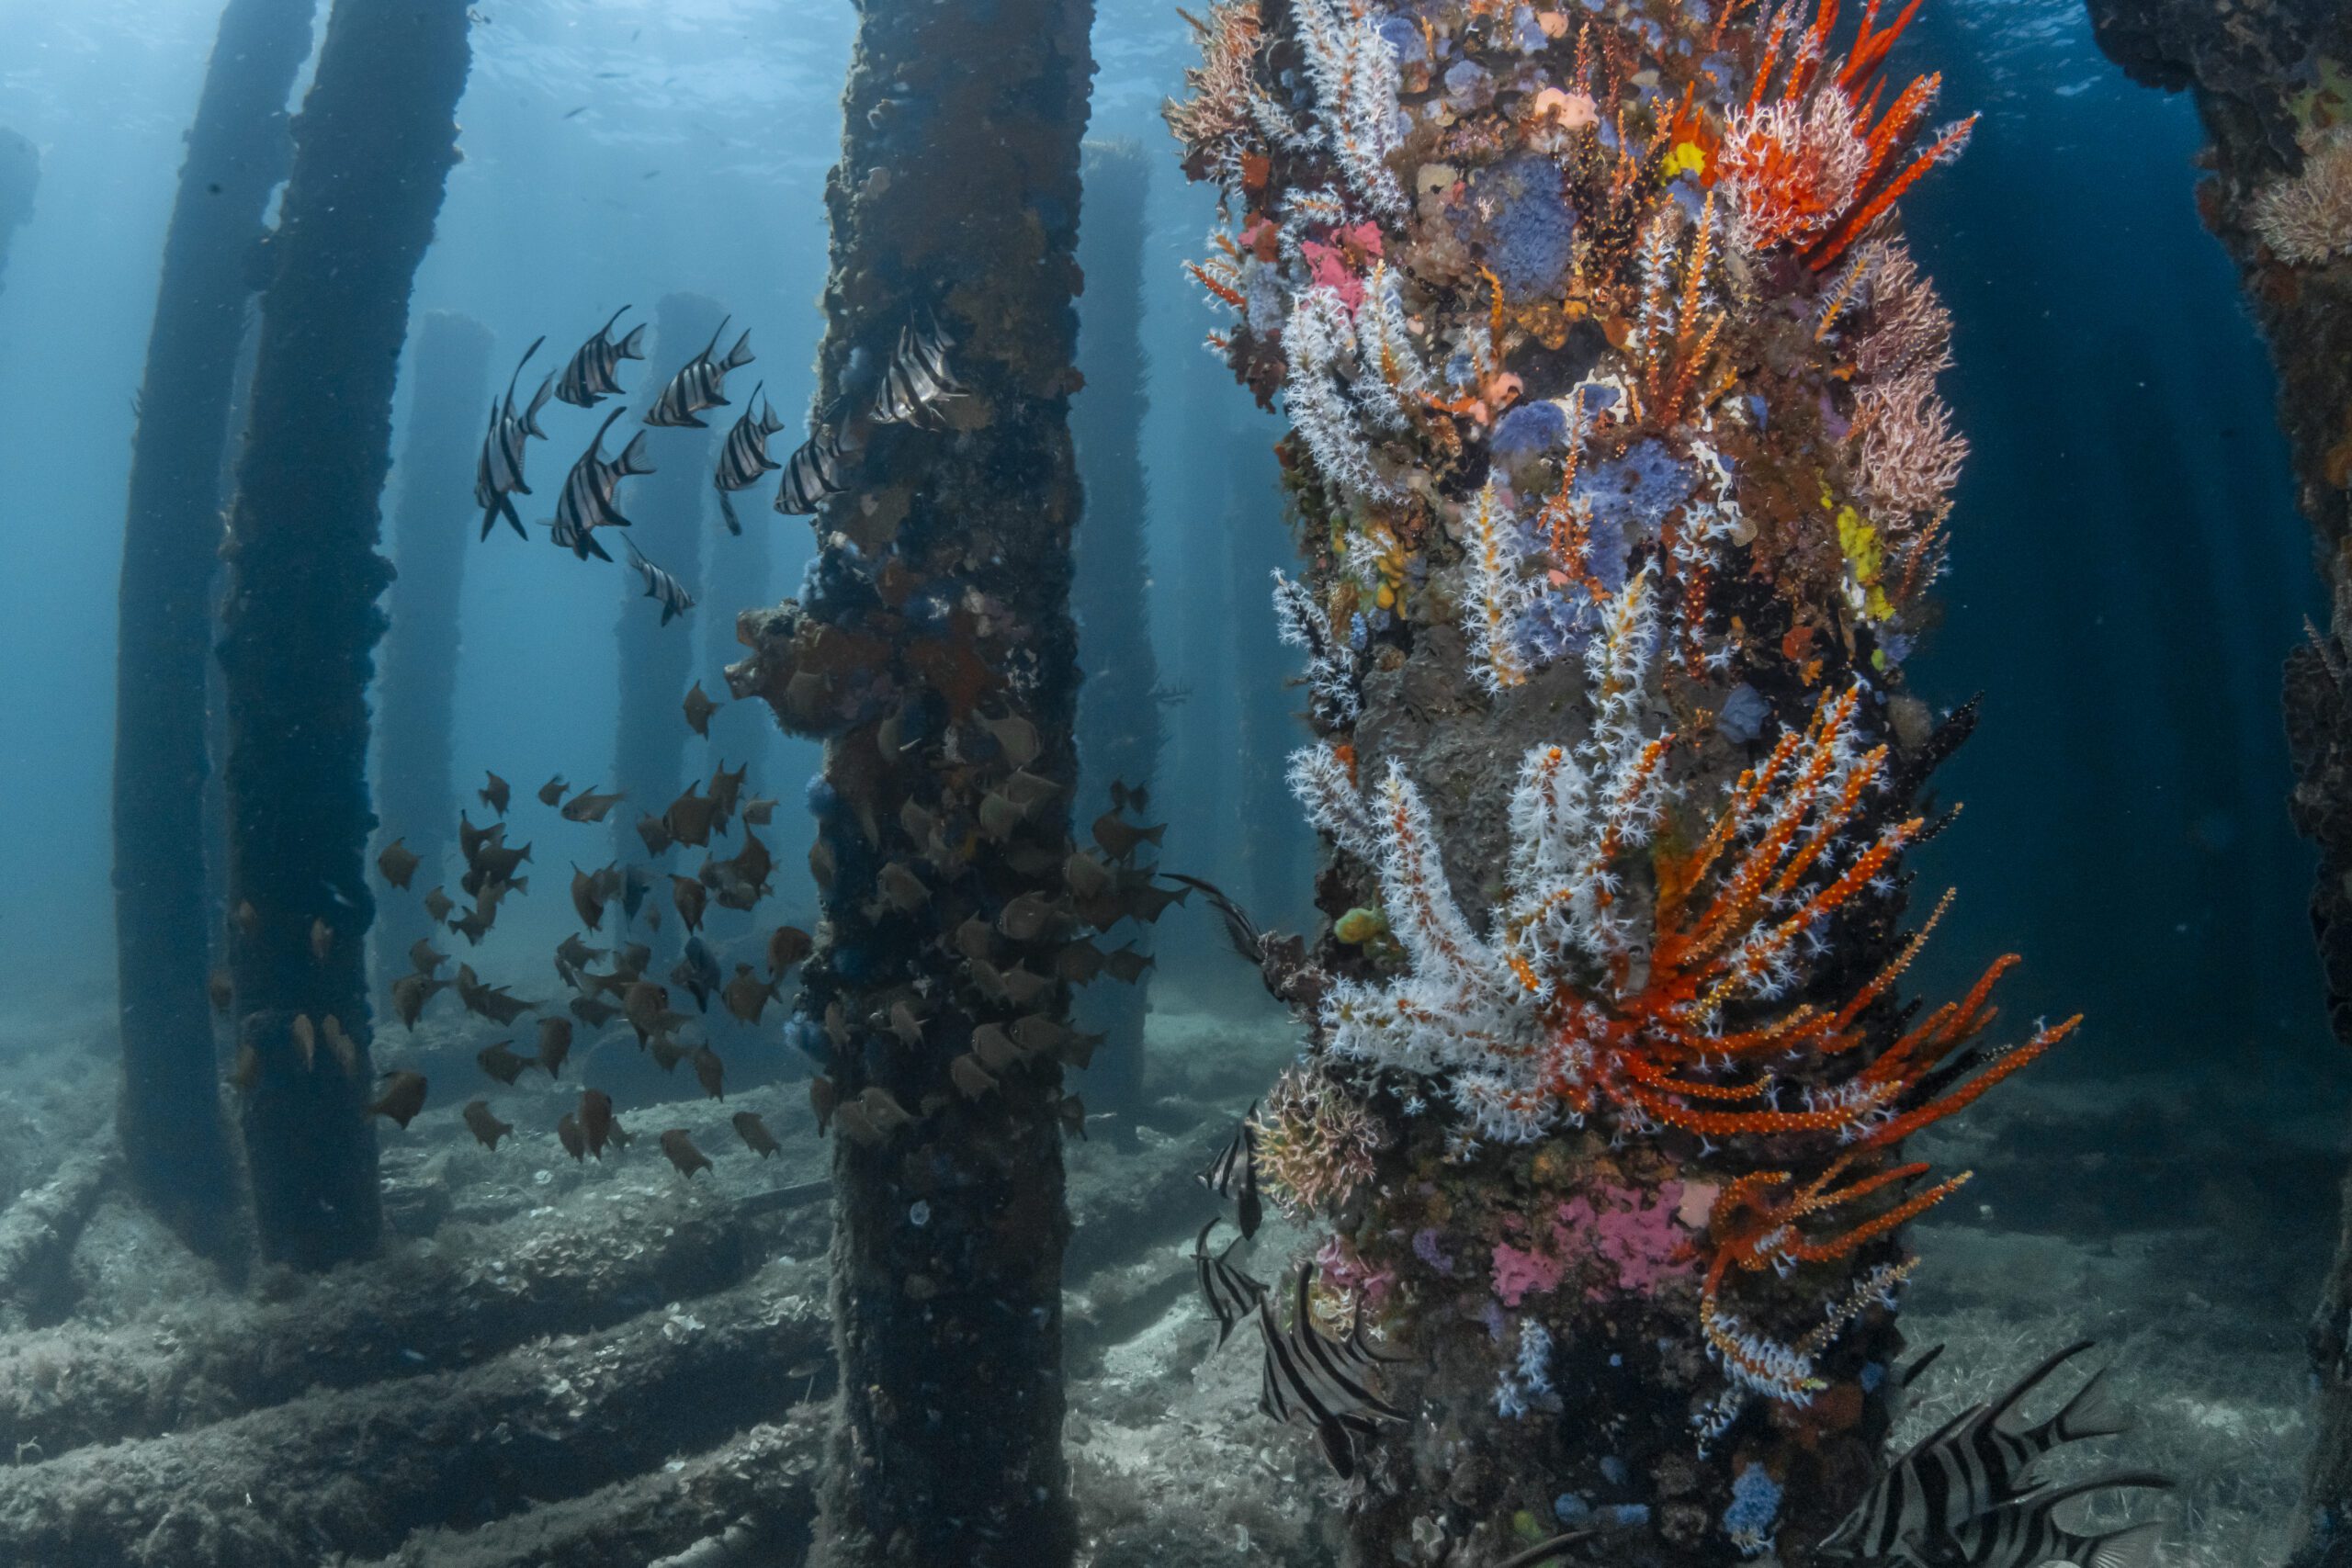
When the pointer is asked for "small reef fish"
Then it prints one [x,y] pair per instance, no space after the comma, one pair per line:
[438,904]
[918,380]
[743,457]
[587,898]
[710,1072]
[498,478]
[568,1134]
[699,707]
[589,500]
[595,1014]
[1233,1175]
[700,385]
[500,1062]
[1070,1110]
[756,1134]
[596,1125]
[341,1046]
[589,378]
[747,996]
[759,811]
[787,945]
[484,1126]
[1016,737]
[590,806]
[496,793]
[1230,1293]
[679,1146]
[1120,839]
[972,1081]
[689,818]
[811,475]
[555,1046]
[221,989]
[425,957]
[492,1001]
[397,864]
[402,1098]
[552,791]
[690,898]
[656,835]
[824,1099]
[409,993]
[322,940]
[1980,1459]
[661,587]
[1306,1374]
[698,971]
[1127,965]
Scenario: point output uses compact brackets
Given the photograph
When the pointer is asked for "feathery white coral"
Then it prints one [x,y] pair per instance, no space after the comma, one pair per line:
[1330,664]
[1319,779]
[1320,346]
[1356,91]
[1394,373]
[1495,594]
[2307,221]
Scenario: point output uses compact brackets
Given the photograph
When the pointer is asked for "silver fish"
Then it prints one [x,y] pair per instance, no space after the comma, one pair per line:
[2026,1532]
[918,380]
[1234,1174]
[811,474]
[1229,1292]
[1306,1375]
[701,385]
[498,477]
[660,585]
[587,503]
[743,457]
[589,378]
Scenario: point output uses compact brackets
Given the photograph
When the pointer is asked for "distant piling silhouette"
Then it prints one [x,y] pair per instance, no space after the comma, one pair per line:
[657,662]
[433,521]
[167,925]
[20,178]
[1119,729]
[936,658]
[373,146]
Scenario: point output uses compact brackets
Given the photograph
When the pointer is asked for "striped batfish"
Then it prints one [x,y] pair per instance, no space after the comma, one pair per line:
[660,585]
[589,378]
[2026,1533]
[1229,1292]
[918,380]
[812,473]
[701,385]
[744,457]
[587,503]
[1980,1459]
[1306,1377]
[498,478]
[1234,1174]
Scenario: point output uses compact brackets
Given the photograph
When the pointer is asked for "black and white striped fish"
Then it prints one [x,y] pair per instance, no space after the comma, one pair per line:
[1229,1292]
[2026,1533]
[587,503]
[498,477]
[1234,1174]
[1980,1459]
[589,379]
[812,473]
[660,585]
[701,385]
[743,457]
[1308,1376]
[917,380]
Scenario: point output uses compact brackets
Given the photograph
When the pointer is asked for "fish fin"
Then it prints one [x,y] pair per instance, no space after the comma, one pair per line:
[631,346]
[589,546]
[514,518]
[2006,1406]
[727,510]
[2132,1548]
[489,516]
[539,401]
[712,348]
[516,379]
[1911,1374]
[633,453]
[2092,1413]
[737,356]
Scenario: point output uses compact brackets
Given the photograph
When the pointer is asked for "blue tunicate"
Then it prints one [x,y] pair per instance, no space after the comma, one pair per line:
[1873,1376]
[1531,430]
[1614,1471]
[1527,226]
[1631,498]
[1755,1504]
[1745,714]
[1570,1510]
[804,1034]
[823,800]
[1406,38]
[1468,84]
[1627,1515]
[1894,646]
[1359,632]
[1459,371]
[1527,36]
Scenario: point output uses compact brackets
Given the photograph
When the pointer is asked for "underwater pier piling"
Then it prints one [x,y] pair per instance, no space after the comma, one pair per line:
[1119,728]
[416,683]
[373,146]
[938,617]
[166,934]
[2273,89]
[20,180]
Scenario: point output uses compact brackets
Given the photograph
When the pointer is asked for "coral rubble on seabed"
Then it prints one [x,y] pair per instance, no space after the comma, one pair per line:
[1615,447]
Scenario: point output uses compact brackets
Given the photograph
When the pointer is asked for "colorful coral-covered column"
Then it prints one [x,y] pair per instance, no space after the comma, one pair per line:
[1621,477]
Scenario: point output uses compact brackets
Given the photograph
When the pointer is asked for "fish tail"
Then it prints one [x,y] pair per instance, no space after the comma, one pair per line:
[739,356]
[2092,1413]
[632,458]
[632,346]
[514,519]
[727,510]
[2132,1548]
[1152,836]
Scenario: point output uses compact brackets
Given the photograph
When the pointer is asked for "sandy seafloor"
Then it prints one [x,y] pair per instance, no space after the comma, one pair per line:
[2203,1319]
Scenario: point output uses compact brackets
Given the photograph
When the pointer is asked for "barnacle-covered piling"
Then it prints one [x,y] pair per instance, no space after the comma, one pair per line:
[932,652]
[375,141]
[2274,90]
[1620,479]
[174,1137]
[20,178]
[417,691]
